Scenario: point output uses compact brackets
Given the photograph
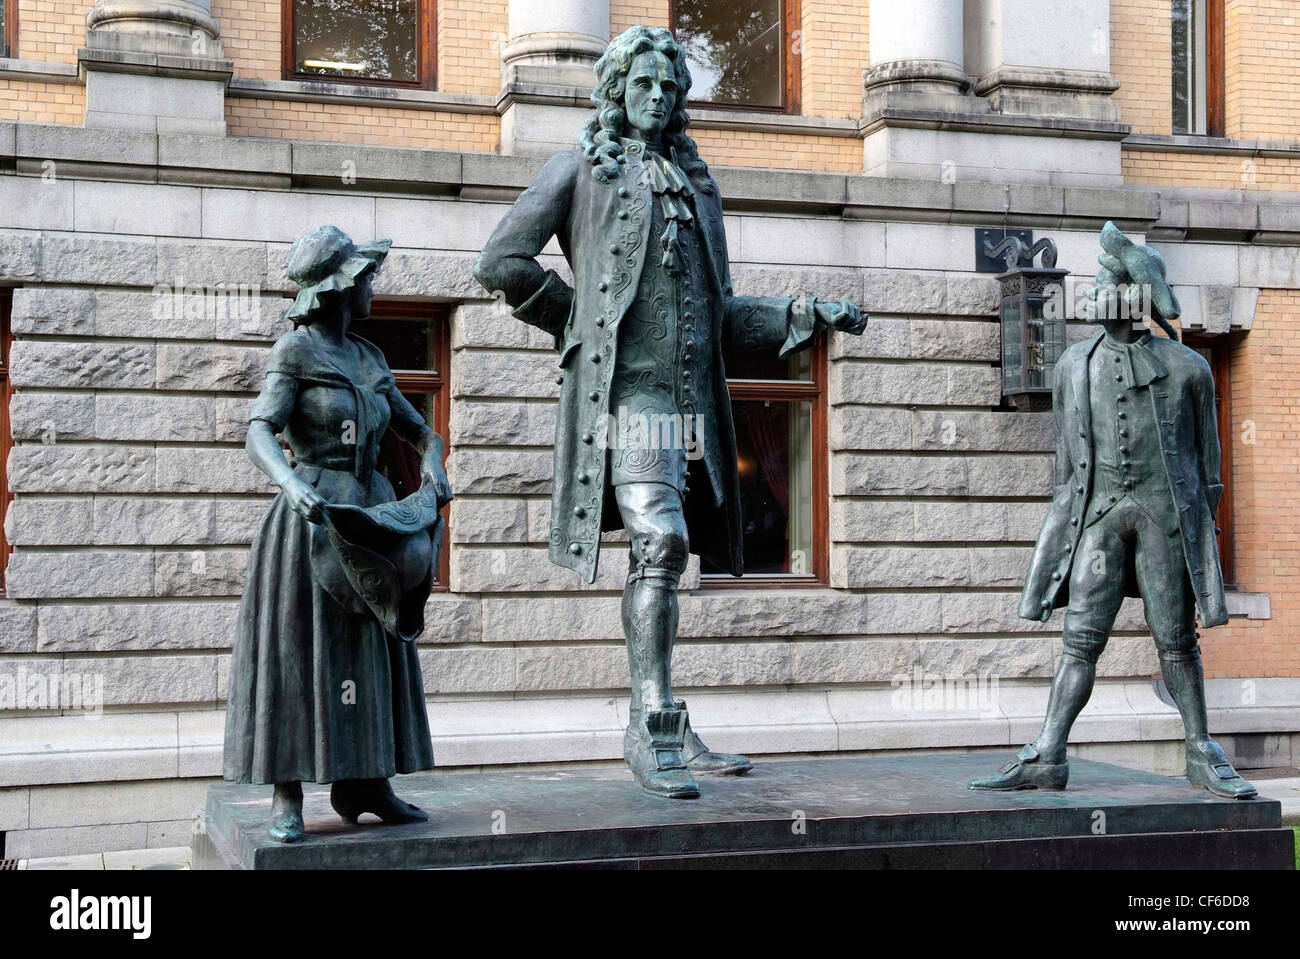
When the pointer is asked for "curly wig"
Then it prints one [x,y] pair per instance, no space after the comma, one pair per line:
[599,138]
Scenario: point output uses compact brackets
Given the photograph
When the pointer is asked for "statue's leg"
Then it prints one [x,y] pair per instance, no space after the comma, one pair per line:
[286,812]
[1170,607]
[1096,593]
[656,525]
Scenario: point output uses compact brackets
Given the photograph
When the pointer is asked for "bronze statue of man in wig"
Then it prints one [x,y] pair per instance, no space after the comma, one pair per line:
[1137,488]
[640,336]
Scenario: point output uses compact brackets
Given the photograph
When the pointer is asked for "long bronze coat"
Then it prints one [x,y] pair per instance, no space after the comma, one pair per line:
[603,230]
[1181,391]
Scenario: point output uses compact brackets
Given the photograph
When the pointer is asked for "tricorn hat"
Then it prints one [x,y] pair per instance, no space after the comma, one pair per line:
[370,546]
[327,261]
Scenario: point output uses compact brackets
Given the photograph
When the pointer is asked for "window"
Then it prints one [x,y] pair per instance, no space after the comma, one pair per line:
[8,28]
[6,438]
[1198,87]
[359,41]
[1217,352]
[413,338]
[779,408]
[741,54]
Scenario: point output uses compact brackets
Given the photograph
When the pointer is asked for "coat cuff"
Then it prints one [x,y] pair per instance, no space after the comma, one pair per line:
[548,307]
[801,326]
[1213,493]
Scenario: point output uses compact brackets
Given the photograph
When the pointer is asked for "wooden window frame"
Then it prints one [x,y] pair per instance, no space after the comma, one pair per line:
[1215,71]
[10,38]
[413,383]
[792,82]
[6,436]
[427,39]
[814,392]
[1220,350]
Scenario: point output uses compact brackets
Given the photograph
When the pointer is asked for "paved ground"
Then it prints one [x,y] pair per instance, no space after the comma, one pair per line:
[1272,784]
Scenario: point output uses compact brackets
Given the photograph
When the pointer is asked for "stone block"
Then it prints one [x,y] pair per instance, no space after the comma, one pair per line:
[152,680]
[862,474]
[856,661]
[148,521]
[126,416]
[17,627]
[808,241]
[184,262]
[200,572]
[81,469]
[500,471]
[148,209]
[98,259]
[449,618]
[871,521]
[503,423]
[958,430]
[235,521]
[52,417]
[1006,658]
[79,574]
[904,291]
[929,246]
[974,386]
[429,274]
[185,366]
[490,325]
[53,311]
[49,521]
[112,627]
[478,670]
[901,384]
[869,428]
[108,365]
[37,203]
[898,567]
[825,283]
[1010,475]
[20,254]
[498,520]
[498,373]
[262,215]
[196,470]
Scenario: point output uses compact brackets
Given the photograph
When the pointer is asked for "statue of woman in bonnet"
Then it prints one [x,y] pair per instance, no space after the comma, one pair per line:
[325,680]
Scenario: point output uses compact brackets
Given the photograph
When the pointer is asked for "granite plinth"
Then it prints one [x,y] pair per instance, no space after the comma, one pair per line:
[861,812]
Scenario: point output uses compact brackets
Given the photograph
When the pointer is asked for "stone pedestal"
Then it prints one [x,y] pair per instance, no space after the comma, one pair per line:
[546,73]
[900,812]
[156,66]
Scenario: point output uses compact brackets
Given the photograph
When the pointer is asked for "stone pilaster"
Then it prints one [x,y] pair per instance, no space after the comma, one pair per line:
[546,72]
[993,90]
[156,66]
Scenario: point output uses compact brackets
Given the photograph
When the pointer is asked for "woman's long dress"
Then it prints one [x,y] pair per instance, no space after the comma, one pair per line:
[318,691]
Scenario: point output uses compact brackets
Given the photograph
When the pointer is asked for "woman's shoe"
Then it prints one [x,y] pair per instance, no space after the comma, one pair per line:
[286,813]
[653,749]
[352,797]
[1208,766]
[1026,772]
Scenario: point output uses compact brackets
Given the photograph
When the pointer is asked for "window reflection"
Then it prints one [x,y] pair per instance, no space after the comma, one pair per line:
[734,50]
[358,39]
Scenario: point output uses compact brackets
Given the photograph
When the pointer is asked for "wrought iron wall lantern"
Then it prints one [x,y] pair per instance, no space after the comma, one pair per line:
[1033,335]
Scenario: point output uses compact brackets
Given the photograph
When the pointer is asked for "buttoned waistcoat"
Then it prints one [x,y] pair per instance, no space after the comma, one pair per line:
[603,230]
[1177,383]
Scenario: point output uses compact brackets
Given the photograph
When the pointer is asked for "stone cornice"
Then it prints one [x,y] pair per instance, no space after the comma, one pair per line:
[1220,146]
[401,98]
[259,163]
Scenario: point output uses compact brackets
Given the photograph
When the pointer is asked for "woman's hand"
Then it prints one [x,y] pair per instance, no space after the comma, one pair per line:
[303,499]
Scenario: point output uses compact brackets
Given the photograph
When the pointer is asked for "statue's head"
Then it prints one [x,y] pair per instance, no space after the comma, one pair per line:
[642,83]
[332,270]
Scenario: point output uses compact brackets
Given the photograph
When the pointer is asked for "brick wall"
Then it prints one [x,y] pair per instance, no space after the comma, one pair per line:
[250,36]
[1265,366]
[1140,61]
[52,30]
[346,123]
[833,42]
[1262,47]
[470,36]
[39,101]
[781,151]
[1219,171]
